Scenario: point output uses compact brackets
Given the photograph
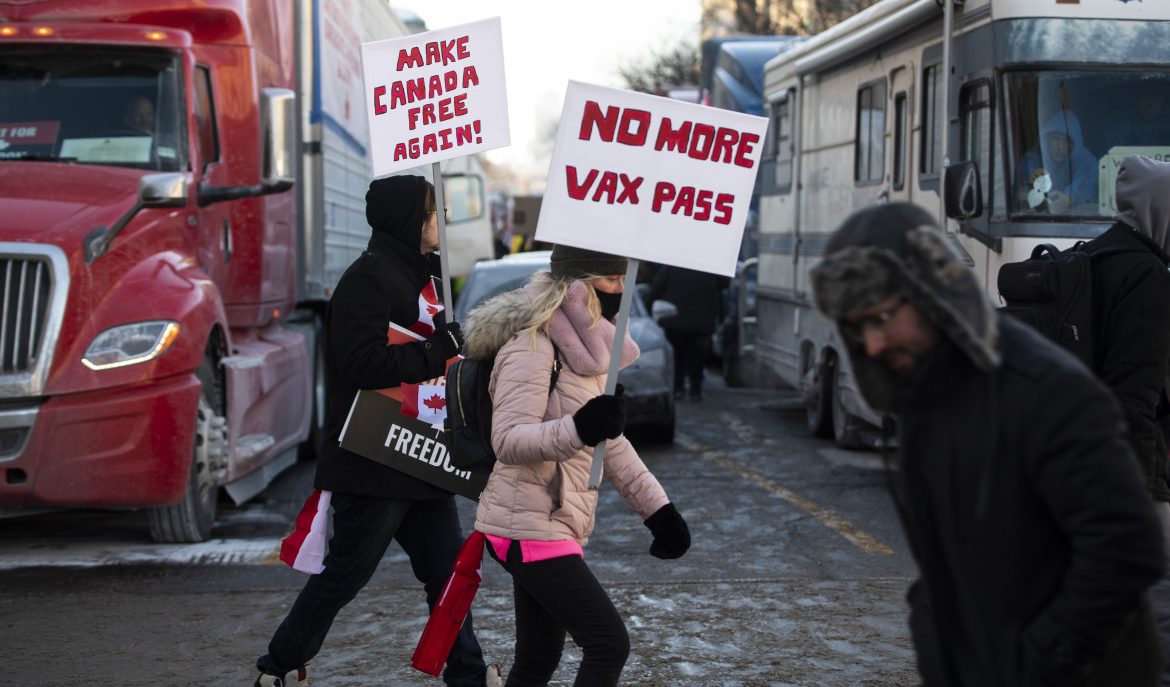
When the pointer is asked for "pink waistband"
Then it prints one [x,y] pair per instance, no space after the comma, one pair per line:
[535,550]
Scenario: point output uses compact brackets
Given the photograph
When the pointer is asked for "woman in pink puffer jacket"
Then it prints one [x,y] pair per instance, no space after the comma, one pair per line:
[537,510]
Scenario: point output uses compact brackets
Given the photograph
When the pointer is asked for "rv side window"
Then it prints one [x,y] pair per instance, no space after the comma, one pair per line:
[975,129]
[931,126]
[205,118]
[869,153]
[781,126]
[901,128]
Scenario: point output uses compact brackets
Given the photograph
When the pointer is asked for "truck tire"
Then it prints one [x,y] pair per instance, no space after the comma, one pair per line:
[311,448]
[848,429]
[817,384]
[191,519]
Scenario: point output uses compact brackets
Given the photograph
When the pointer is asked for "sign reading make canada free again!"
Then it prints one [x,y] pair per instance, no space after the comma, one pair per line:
[435,96]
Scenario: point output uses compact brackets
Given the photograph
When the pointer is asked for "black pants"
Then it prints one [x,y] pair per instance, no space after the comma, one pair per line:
[363,526]
[690,357]
[555,596]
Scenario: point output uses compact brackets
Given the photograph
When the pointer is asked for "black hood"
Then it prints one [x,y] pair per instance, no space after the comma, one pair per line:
[395,207]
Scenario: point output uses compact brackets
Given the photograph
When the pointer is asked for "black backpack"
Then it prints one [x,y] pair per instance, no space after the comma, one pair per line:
[469,410]
[1052,291]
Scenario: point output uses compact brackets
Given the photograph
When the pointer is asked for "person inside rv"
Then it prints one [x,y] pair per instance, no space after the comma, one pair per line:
[1070,168]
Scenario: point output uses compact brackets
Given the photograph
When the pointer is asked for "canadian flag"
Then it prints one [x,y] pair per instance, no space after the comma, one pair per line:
[426,402]
[304,548]
[428,307]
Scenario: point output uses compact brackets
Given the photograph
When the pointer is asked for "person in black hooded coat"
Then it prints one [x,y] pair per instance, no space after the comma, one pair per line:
[1018,490]
[372,503]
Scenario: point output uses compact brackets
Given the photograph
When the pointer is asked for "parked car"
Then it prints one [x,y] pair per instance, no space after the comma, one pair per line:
[648,382]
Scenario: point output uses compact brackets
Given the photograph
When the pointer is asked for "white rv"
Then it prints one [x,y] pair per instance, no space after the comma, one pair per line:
[864,113]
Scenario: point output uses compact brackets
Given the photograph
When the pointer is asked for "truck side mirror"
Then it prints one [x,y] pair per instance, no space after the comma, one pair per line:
[162,190]
[962,190]
[278,122]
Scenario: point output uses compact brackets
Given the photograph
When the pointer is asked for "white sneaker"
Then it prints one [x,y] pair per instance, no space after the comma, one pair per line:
[298,677]
[493,677]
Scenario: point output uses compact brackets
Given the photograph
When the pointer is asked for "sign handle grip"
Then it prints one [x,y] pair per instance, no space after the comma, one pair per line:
[615,361]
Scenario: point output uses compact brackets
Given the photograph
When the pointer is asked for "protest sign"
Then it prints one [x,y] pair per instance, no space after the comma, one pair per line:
[435,96]
[1108,166]
[377,429]
[651,178]
[402,428]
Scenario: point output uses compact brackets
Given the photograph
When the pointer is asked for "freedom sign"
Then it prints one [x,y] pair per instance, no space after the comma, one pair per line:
[651,178]
[435,96]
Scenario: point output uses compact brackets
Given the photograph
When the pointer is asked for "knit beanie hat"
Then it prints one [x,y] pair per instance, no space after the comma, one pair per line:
[573,263]
[395,206]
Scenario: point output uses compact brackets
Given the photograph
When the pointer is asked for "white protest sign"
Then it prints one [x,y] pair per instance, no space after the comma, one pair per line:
[435,96]
[651,178]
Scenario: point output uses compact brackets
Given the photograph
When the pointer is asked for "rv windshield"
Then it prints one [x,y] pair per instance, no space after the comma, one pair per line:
[1069,130]
[101,107]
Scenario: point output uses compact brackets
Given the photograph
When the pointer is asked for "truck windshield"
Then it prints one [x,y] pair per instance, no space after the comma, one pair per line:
[1069,131]
[100,107]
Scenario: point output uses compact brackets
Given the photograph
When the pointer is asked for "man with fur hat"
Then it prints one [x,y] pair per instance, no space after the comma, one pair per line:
[1131,329]
[1018,491]
[394,280]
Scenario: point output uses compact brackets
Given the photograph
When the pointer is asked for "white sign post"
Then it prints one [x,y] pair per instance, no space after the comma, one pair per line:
[649,178]
[435,96]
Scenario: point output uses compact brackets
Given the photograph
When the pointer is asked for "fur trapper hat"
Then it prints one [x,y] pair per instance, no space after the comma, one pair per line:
[897,249]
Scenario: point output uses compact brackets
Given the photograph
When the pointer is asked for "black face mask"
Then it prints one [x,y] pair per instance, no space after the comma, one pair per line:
[610,304]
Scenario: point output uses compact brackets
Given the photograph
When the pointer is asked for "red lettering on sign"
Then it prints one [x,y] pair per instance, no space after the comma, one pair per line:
[692,202]
[379,106]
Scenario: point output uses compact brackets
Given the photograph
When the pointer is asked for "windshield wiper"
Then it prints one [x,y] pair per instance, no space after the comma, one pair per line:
[37,157]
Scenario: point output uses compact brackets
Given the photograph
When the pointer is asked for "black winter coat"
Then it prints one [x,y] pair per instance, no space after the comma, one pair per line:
[380,287]
[1029,520]
[697,295]
[1131,339]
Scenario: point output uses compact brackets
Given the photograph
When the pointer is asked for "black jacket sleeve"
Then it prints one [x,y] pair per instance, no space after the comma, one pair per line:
[359,315]
[1085,474]
[1133,362]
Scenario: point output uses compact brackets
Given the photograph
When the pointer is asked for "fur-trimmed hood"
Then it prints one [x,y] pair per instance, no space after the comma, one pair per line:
[490,324]
[892,249]
[584,348]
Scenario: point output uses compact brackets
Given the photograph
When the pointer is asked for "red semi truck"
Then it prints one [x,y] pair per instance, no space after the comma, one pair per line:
[171,223]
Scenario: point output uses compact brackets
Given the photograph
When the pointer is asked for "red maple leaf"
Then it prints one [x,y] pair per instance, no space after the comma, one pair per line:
[432,309]
[435,402]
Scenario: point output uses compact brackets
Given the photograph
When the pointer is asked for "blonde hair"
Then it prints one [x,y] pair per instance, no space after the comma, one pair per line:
[550,293]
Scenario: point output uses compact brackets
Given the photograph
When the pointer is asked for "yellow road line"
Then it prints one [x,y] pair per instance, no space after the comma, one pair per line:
[841,526]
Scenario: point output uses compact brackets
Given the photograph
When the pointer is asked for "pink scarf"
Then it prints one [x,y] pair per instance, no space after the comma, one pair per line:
[585,347]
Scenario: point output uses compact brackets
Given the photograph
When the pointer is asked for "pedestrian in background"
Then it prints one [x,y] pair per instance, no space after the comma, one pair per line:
[1019,493]
[1131,330]
[698,296]
[537,510]
[374,504]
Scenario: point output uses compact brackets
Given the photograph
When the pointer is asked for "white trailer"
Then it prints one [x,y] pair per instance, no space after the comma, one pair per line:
[864,113]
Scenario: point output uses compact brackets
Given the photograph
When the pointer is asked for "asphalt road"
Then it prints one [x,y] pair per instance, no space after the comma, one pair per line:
[796,577]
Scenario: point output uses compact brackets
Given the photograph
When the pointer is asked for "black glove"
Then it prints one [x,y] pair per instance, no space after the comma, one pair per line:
[602,417]
[448,339]
[672,538]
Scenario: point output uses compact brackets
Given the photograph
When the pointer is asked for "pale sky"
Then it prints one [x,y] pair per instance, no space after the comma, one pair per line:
[549,42]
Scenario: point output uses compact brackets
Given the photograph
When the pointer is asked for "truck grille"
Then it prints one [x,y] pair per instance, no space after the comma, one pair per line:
[26,284]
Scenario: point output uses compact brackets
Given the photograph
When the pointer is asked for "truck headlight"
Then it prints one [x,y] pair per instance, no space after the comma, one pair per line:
[130,344]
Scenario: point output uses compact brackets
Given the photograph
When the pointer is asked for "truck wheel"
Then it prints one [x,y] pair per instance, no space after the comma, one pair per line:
[848,429]
[818,397]
[311,448]
[190,519]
